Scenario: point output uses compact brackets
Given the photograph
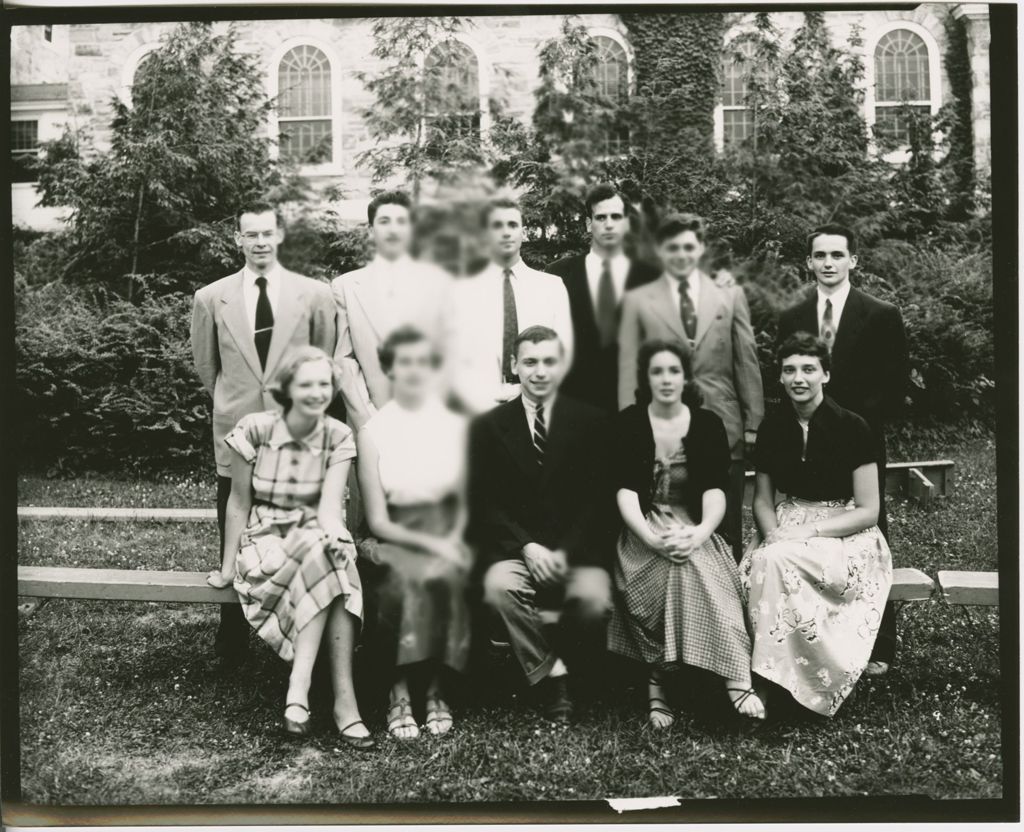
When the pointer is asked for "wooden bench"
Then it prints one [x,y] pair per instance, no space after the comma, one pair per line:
[970,588]
[191,587]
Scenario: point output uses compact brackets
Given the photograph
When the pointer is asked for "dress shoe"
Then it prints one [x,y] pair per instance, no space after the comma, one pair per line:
[555,698]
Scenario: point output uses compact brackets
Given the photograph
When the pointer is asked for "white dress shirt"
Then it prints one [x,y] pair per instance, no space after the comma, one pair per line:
[251,292]
[389,274]
[530,407]
[838,299]
[620,271]
[692,289]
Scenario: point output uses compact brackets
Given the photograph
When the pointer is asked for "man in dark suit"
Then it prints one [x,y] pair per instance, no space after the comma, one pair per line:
[870,363]
[596,282]
[541,515]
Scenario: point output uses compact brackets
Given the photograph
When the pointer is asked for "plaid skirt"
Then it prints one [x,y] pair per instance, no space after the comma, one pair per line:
[287,571]
[669,614]
[815,606]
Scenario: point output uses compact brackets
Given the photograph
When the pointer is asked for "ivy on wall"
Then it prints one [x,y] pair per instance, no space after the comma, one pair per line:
[957,62]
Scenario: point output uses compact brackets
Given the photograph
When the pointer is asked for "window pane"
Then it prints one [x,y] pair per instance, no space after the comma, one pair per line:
[615,142]
[306,142]
[304,83]
[894,122]
[734,75]
[901,68]
[454,76]
[24,148]
[610,69]
[738,125]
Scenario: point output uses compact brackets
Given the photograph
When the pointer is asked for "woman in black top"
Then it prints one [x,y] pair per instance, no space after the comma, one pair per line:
[678,595]
[817,583]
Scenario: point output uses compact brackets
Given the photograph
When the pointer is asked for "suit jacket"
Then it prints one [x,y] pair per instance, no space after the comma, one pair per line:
[870,361]
[224,350]
[476,370]
[366,317]
[724,352]
[565,504]
[594,376]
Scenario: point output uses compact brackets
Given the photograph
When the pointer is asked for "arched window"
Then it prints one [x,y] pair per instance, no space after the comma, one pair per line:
[737,114]
[453,73]
[304,110]
[611,77]
[903,82]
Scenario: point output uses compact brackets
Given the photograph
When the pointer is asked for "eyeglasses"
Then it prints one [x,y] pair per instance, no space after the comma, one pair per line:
[253,236]
[683,247]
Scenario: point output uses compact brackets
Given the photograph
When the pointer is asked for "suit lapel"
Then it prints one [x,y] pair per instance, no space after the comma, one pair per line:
[237,322]
[559,436]
[709,303]
[655,296]
[850,325]
[516,436]
[290,301]
[367,292]
[807,313]
[579,296]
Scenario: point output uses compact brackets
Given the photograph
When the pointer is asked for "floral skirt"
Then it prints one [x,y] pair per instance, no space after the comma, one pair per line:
[287,571]
[815,606]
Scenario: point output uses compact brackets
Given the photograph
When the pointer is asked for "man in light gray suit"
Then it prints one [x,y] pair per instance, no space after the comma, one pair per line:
[711,317]
[242,326]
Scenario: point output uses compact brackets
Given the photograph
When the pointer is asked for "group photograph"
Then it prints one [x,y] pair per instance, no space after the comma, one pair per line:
[448,414]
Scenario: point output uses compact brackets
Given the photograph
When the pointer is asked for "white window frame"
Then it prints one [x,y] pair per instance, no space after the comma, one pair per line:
[50,118]
[483,79]
[335,166]
[718,116]
[934,78]
[627,50]
[131,66]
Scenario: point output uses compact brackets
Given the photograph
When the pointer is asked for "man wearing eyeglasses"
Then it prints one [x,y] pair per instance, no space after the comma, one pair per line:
[711,317]
[242,327]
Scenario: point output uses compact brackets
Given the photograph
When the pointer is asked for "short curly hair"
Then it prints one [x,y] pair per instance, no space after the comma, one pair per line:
[290,366]
[692,397]
[804,343]
[407,334]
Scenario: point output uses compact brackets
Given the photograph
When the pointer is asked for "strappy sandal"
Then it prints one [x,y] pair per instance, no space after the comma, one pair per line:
[400,716]
[293,728]
[437,712]
[366,743]
[737,703]
[657,705]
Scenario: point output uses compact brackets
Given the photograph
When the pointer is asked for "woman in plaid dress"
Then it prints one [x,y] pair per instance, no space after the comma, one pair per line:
[286,548]
[678,598]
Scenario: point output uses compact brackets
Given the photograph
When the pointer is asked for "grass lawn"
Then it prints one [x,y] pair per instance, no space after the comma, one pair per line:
[126,704]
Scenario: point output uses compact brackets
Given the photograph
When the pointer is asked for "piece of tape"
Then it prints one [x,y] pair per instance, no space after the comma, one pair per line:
[632,804]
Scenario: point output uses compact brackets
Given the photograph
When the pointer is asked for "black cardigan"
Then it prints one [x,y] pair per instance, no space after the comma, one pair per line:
[707,454]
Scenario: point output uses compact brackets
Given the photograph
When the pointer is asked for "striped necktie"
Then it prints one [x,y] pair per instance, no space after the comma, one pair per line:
[540,433]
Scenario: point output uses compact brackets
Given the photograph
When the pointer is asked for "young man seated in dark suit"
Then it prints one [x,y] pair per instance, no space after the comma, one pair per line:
[596,282]
[541,515]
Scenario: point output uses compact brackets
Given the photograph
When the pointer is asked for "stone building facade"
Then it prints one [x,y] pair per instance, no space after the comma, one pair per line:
[69,74]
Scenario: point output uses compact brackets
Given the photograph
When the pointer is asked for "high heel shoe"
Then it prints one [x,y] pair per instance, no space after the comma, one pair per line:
[293,728]
[366,743]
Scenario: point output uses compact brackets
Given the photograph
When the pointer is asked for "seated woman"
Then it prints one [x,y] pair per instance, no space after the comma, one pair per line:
[411,474]
[817,583]
[678,590]
[286,548]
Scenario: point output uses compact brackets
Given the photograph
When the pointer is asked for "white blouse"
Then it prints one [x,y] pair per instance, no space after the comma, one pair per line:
[421,453]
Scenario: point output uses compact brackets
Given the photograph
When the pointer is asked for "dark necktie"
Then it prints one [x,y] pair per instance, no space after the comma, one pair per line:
[605,313]
[264,322]
[510,330]
[540,433]
[828,328]
[686,311]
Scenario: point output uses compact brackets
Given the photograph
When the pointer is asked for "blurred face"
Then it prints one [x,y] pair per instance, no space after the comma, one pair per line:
[608,223]
[803,378]
[413,370]
[681,254]
[258,236]
[311,389]
[505,233]
[830,260]
[665,375]
[392,231]
[540,368]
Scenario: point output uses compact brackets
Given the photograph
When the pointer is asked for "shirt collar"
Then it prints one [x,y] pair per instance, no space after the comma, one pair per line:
[402,262]
[838,298]
[280,435]
[825,412]
[516,268]
[531,408]
[674,282]
[272,274]
[595,260]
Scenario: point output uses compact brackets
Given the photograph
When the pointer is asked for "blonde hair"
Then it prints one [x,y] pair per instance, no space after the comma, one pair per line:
[292,361]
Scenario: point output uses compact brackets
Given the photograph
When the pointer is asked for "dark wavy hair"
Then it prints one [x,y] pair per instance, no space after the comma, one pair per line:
[836,230]
[692,397]
[601,192]
[387,198]
[804,343]
[399,338]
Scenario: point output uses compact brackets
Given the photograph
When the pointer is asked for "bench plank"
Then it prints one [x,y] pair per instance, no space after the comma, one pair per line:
[179,515]
[919,487]
[121,585]
[910,585]
[970,588]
